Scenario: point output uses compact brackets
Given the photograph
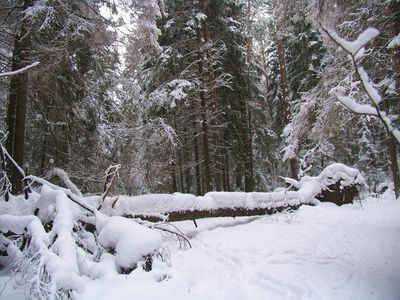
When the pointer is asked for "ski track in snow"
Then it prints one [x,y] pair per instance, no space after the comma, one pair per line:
[323,252]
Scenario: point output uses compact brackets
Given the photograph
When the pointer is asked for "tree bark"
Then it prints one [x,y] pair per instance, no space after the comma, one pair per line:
[394,11]
[248,28]
[226,179]
[174,187]
[391,146]
[206,152]
[247,148]
[285,92]
[204,121]
[176,216]
[18,94]
[196,160]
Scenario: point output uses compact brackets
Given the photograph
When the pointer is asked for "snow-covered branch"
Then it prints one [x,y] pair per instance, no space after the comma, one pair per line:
[60,173]
[358,108]
[112,173]
[356,51]
[12,73]
[76,199]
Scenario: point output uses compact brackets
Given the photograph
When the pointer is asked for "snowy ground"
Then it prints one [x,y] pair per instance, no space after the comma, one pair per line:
[322,252]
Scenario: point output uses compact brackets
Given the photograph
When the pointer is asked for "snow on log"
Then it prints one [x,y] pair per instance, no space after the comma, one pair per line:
[340,184]
[179,206]
[342,174]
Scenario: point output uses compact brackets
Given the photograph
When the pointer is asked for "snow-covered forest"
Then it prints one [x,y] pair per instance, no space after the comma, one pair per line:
[175,149]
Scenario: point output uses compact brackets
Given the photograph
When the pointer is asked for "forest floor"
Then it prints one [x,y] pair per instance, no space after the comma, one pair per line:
[321,252]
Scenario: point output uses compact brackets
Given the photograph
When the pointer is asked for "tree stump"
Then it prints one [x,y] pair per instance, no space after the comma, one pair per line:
[338,194]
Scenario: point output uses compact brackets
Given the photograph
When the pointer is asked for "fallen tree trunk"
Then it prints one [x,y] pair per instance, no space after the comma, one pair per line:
[221,212]
[337,183]
[338,195]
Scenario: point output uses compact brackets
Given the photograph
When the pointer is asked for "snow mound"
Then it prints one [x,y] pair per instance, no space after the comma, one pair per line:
[130,240]
[341,173]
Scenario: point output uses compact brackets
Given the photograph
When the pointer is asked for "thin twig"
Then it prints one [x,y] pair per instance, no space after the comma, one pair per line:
[176,233]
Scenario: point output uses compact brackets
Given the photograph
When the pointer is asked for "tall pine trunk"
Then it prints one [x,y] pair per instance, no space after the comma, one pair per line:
[285,91]
[204,120]
[247,146]
[394,11]
[248,142]
[206,151]
[196,160]
[17,101]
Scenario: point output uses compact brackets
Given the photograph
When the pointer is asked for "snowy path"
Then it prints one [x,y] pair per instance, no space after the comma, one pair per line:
[324,252]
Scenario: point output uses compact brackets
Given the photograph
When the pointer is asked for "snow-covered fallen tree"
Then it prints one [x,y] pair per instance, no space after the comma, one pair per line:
[337,179]
[56,240]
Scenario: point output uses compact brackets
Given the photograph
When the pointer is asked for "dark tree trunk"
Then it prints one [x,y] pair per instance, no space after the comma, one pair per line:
[227,177]
[204,121]
[18,94]
[217,161]
[394,11]
[225,161]
[283,80]
[247,148]
[12,99]
[196,160]
[391,146]
[285,92]
[206,153]
[174,187]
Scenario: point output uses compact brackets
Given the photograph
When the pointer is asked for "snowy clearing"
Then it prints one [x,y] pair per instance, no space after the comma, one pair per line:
[321,252]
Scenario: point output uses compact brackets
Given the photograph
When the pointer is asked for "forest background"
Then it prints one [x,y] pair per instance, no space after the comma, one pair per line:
[194,96]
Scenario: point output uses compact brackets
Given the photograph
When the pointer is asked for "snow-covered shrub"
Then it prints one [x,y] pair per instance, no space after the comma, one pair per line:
[55,242]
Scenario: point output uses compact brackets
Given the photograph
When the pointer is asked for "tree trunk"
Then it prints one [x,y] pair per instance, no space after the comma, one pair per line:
[283,74]
[248,143]
[394,8]
[204,121]
[174,187]
[18,95]
[285,92]
[394,11]
[248,28]
[391,146]
[196,160]
[206,153]
[226,179]
[217,161]
[12,101]
[247,148]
